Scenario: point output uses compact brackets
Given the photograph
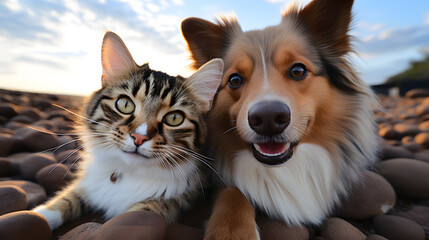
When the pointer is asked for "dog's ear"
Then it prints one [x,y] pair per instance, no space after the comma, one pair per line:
[206,40]
[328,22]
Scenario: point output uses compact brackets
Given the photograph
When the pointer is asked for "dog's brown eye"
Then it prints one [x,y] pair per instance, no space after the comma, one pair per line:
[297,71]
[235,80]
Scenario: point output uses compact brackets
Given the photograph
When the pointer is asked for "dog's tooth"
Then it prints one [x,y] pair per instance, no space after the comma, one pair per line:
[287,145]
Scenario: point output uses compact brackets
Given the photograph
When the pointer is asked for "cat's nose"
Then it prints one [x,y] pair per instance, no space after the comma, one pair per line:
[139,139]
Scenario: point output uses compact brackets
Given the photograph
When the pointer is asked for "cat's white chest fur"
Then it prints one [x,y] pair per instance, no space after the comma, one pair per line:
[134,183]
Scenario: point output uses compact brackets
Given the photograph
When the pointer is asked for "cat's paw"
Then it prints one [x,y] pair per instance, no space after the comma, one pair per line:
[54,217]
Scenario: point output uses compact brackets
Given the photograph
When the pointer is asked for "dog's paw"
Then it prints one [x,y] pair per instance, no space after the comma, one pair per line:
[228,233]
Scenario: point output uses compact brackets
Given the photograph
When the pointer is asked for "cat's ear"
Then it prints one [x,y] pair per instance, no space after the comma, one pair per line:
[115,58]
[205,82]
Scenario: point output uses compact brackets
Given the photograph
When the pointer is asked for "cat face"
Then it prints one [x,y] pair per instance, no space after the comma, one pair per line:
[146,115]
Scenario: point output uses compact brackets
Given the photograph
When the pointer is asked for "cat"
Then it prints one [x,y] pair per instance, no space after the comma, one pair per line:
[142,134]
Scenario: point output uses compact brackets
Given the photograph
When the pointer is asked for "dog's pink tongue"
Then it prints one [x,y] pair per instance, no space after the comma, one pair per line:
[272,147]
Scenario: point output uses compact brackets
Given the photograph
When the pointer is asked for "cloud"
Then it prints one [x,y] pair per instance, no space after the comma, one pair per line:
[427,19]
[396,39]
[58,42]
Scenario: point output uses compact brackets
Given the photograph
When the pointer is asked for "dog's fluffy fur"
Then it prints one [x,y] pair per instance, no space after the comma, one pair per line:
[330,109]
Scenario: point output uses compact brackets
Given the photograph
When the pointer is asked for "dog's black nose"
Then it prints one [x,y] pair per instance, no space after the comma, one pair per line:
[269,118]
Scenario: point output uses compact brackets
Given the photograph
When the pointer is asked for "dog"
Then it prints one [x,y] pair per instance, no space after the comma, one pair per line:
[291,128]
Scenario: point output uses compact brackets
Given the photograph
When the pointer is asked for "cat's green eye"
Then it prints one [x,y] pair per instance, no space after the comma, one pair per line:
[174,119]
[125,105]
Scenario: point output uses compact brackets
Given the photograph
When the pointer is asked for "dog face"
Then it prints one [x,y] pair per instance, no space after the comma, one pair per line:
[282,85]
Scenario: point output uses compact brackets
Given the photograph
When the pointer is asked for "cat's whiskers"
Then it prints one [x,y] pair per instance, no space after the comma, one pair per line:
[174,164]
[78,115]
[193,164]
[189,152]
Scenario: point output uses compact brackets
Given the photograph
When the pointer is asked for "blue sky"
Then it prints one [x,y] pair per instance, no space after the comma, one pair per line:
[54,46]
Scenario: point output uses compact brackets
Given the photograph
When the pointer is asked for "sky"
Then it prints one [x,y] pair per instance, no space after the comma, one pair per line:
[53,46]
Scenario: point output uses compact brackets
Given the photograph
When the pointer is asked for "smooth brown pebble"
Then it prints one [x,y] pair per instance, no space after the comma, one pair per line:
[406,129]
[34,162]
[372,197]
[412,146]
[424,126]
[33,113]
[12,199]
[397,228]
[133,225]
[84,231]
[418,214]
[38,140]
[7,143]
[270,229]
[375,237]
[8,110]
[339,229]
[409,177]
[66,143]
[68,156]
[423,139]
[417,93]
[5,167]
[389,133]
[422,155]
[54,177]
[22,119]
[24,225]
[388,152]
[177,231]
[36,194]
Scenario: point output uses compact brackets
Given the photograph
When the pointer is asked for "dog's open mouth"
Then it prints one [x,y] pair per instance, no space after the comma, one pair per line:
[273,153]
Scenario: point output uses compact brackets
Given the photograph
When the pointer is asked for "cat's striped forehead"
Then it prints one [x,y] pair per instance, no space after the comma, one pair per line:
[152,92]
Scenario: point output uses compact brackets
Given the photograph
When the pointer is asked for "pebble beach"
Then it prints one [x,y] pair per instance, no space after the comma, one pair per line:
[39,151]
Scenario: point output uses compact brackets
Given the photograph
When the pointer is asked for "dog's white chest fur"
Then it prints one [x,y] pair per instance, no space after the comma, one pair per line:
[133,184]
[299,191]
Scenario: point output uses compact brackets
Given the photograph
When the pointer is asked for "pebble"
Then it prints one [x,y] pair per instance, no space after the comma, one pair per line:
[84,231]
[397,228]
[5,167]
[388,152]
[42,104]
[422,155]
[12,199]
[388,132]
[422,110]
[423,139]
[413,147]
[372,197]
[16,160]
[177,231]
[24,225]
[7,143]
[34,162]
[36,194]
[417,93]
[133,225]
[406,129]
[36,141]
[418,214]
[337,228]
[375,237]
[32,113]
[270,229]
[67,143]
[8,110]
[424,126]
[69,156]
[409,177]
[46,124]
[54,177]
